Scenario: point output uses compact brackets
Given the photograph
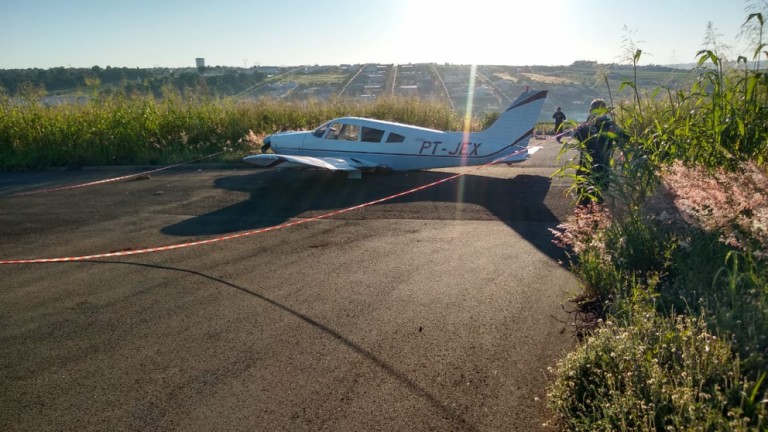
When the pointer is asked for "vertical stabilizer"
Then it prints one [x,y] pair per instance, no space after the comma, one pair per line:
[517,122]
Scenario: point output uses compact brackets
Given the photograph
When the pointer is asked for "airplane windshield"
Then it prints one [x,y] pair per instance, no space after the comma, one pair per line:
[320,131]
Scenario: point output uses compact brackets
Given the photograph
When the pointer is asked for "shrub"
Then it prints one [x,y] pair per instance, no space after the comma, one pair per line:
[654,373]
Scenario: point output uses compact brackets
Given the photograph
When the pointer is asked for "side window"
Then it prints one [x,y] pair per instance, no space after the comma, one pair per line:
[395,138]
[335,130]
[372,135]
[350,132]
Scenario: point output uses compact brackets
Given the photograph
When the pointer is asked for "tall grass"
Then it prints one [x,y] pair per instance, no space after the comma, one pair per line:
[678,265]
[113,130]
[719,122]
[123,129]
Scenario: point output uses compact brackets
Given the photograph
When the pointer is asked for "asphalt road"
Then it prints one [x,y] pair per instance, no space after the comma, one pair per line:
[439,310]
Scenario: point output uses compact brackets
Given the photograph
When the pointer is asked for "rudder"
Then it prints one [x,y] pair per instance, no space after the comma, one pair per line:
[518,120]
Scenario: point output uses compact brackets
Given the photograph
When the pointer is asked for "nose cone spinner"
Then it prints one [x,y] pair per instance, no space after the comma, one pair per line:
[266,144]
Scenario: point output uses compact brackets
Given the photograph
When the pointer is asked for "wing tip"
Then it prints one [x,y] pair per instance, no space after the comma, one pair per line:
[261,160]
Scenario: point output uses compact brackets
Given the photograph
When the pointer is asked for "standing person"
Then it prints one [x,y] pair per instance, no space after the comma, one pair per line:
[598,136]
[559,117]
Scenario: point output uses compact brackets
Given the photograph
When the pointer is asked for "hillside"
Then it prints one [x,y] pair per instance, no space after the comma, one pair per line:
[571,87]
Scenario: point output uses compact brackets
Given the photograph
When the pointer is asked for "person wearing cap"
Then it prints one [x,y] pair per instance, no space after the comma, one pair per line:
[599,136]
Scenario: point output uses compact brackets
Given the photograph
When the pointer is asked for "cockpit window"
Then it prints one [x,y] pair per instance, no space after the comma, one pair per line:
[348,132]
[372,135]
[335,130]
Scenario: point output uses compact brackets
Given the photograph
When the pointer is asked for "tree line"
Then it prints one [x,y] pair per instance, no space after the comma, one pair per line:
[213,81]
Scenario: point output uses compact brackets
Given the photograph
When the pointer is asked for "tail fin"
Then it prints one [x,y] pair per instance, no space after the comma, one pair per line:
[518,121]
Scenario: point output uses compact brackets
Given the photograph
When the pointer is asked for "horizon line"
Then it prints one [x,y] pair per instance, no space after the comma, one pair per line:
[350,64]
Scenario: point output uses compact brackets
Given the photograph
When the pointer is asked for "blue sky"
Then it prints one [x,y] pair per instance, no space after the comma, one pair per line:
[172,33]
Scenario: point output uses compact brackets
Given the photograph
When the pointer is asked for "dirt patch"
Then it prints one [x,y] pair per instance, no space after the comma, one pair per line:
[547,79]
[506,77]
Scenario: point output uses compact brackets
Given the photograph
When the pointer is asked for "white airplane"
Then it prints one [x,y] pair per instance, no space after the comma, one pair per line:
[354,144]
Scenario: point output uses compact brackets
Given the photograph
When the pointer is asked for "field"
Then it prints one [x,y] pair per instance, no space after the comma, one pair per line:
[320,79]
[546,79]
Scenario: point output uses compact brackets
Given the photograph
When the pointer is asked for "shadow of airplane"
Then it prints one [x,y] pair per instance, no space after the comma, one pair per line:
[277,196]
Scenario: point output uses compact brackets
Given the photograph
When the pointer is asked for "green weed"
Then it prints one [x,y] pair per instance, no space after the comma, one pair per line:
[683,286]
[647,373]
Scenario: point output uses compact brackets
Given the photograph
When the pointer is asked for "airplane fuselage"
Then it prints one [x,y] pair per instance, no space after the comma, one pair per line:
[354,144]
[395,146]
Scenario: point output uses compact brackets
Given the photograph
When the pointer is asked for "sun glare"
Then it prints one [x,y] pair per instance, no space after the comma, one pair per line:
[478,32]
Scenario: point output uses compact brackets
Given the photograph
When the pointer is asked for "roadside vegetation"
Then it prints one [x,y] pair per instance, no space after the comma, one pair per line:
[142,129]
[673,315]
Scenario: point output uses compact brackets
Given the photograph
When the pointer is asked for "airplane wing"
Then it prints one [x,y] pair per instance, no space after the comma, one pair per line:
[351,165]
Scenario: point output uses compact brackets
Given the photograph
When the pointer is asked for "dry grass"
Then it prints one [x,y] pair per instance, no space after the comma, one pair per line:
[731,203]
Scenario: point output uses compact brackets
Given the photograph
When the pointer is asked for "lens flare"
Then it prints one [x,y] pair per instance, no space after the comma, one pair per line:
[468,109]
[467,128]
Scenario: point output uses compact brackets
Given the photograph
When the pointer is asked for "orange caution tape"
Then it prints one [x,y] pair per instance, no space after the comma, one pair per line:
[245,233]
[109,180]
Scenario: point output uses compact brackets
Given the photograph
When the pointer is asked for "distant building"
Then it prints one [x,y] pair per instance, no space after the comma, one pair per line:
[269,70]
[409,90]
[200,62]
